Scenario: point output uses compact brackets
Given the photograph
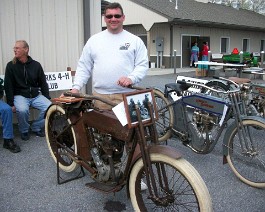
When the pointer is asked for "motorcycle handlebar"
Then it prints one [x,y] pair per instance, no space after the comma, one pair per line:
[89,97]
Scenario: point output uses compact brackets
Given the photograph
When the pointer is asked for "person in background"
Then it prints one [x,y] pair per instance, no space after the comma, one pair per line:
[25,86]
[115,58]
[194,54]
[6,116]
[205,50]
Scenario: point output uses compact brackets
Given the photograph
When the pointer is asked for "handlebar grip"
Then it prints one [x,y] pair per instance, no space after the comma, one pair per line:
[77,95]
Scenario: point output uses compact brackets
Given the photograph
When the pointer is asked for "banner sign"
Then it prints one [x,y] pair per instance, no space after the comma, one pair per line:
[59,80]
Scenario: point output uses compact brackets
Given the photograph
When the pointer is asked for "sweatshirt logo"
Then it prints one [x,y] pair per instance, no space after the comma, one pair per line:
[125,46]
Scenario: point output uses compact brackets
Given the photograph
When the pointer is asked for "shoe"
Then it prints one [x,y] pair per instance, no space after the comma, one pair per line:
[40,133]
[25,136]
[11,145]
[143,186]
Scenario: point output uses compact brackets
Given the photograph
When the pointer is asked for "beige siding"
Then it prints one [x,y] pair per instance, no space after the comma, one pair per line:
[236,37]
[135,14]
[53,29]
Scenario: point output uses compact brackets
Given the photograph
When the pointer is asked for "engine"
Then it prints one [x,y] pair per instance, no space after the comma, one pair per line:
[107,154]
[202,127]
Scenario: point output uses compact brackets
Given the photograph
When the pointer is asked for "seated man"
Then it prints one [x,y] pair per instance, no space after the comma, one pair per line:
[6,116]
[26,86]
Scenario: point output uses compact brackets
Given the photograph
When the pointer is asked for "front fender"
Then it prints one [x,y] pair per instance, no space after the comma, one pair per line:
[232,127]
[161,149]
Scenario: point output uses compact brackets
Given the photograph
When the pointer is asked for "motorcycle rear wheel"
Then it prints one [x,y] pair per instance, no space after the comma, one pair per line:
[55,123]
[165,119]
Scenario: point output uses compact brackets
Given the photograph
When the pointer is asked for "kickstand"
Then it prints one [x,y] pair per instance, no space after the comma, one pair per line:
[77,175]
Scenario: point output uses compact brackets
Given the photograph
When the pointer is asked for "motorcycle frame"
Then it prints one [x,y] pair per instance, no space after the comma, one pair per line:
[82,118]
[180,126]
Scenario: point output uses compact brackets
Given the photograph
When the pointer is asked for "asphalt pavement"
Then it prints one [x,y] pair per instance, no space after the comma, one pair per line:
[28,180]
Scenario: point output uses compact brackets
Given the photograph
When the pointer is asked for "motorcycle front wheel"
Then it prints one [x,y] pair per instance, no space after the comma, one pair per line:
[179,186]
[246,152]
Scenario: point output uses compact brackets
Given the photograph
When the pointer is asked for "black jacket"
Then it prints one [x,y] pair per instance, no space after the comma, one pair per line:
[25,79]
[1,88]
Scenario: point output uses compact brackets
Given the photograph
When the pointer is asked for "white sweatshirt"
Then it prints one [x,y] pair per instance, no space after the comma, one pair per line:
[107,57]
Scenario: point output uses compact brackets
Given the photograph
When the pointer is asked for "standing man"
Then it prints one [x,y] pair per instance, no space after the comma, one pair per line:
[6,115]
[26,86]
[115,58]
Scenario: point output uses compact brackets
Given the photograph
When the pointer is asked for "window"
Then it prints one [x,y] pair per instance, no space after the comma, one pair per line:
[262,45]
[245,45]
[224,45]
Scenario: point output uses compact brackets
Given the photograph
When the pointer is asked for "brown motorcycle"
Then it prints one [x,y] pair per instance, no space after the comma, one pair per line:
[80,136]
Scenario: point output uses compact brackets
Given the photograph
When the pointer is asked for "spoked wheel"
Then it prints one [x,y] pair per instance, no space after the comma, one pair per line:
[247,158]
[217,85]
[165,119]
[179,186]
[261,107]
[55,123]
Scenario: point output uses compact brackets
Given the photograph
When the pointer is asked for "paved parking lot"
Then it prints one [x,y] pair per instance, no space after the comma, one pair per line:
[28,179]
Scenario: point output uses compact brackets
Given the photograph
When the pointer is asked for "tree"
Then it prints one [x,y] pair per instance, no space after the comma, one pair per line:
[257,6]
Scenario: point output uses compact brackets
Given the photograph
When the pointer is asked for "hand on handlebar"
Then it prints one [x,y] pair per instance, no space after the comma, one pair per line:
[72,91]
[124,82]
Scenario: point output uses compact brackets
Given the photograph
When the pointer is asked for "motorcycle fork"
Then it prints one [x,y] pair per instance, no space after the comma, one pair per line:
[243,132]
[140,132]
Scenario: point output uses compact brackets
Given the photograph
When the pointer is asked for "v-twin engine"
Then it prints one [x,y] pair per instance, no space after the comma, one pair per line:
[107,155]
[202,128]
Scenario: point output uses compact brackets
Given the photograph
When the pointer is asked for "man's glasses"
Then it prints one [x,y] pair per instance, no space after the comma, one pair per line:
[111,16]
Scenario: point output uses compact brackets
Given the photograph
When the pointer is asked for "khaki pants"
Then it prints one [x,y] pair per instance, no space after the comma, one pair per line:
[115,98]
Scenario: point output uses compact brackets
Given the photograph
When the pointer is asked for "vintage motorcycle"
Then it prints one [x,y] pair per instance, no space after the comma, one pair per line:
[198,120]
[81,136]
[254,93]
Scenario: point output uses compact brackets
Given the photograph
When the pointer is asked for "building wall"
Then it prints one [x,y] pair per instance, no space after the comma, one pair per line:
[215,34]
[135,14]
[53,28]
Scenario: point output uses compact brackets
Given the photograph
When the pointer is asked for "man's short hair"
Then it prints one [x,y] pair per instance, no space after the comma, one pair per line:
[113,5]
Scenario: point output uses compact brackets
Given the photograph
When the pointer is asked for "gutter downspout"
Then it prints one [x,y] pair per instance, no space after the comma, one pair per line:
[87,33]
[171,45]
[92,25]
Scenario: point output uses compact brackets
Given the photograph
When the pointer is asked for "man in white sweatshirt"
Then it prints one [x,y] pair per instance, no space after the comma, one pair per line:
[114,57]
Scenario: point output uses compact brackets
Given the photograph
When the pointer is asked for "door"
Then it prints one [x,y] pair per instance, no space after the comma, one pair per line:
[187,42]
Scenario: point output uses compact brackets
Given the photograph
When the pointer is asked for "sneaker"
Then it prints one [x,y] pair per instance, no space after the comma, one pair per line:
[11,145]
[25,136]
[143,186]
[40,133]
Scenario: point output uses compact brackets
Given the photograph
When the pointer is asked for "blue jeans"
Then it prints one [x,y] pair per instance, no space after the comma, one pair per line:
[22,105]
[204,58]
[6,115]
